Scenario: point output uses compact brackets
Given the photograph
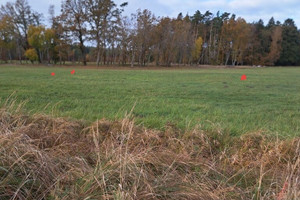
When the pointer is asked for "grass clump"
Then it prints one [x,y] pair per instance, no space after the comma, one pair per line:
[54,158]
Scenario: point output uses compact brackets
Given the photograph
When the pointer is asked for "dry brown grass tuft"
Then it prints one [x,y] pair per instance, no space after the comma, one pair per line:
[47,158]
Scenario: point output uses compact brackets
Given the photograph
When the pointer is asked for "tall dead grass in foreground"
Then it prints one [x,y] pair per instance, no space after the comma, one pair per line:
[53,158]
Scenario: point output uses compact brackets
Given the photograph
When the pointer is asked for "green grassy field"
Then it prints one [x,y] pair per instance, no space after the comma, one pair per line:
[268,101]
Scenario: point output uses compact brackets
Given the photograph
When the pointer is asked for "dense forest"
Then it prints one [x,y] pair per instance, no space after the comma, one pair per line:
[97,31]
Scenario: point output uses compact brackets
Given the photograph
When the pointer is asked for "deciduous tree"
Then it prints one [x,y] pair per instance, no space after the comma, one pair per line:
[75,18]
[196,53]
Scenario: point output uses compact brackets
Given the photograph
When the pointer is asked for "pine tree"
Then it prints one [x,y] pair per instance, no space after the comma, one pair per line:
[290,51]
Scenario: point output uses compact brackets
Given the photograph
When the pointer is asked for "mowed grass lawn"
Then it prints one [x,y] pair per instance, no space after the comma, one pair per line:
[269,100]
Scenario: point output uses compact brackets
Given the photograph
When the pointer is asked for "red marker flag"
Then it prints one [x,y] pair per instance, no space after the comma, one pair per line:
[244,77]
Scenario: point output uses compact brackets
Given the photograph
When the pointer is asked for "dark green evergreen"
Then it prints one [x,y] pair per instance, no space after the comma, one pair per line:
[290,48]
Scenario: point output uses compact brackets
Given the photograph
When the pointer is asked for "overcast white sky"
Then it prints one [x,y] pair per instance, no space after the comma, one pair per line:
[251,10]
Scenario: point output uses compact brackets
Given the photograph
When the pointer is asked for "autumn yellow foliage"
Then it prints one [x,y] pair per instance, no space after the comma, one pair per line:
[196,53]
[31,54]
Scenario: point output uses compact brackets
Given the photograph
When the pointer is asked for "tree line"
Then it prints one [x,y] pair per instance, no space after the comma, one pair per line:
[97,31]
